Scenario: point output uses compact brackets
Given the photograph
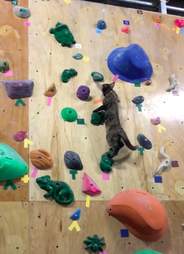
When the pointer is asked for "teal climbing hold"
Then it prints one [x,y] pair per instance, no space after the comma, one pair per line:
[69,114]
[4,66]
[147,251]
[12,165]
[106,163]
[21,12]
[94,244]
[63,35]
[97,76]
[20,102]
[78,56]
[68,74]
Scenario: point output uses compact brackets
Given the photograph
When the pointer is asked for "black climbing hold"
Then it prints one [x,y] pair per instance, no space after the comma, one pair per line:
[138,100]
[72,160]
[144,142]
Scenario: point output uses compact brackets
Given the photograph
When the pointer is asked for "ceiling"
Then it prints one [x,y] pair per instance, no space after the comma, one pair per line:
[175,7]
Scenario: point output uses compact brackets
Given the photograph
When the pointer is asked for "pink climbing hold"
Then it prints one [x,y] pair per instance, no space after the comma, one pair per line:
[89,186]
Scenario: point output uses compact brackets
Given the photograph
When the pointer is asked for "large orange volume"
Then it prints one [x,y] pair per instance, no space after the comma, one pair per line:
[140,212]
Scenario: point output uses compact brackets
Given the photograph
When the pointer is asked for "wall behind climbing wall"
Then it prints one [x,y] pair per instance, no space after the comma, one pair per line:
[14,49]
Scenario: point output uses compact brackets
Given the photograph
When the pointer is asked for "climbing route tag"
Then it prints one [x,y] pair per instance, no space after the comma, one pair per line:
[74,225]
[161,128]
[34,172]
[105,176]
[8,74]
[27,142]
[49,101]
[88,201]
[25,179]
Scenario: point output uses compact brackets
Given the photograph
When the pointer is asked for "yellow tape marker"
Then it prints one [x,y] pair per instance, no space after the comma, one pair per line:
[177,30]
[88,200]
[67,1]
[27,142]
[86,59]
[75,225]
[161,128]
[25,179]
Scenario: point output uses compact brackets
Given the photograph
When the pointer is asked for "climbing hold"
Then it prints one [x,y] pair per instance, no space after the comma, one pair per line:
[125,29]
[97,76]
[98,118]
[41,159]
[18,89]
[21,12]
[57,190]
[76,215]
[179,23]
[138,100]
[144,142]
[72,160]
[173,83]
[94,244]
[83,93]
[147,251]
[155,121]
[20,136]
[89,187]
[142,214]
[63,35]
[51,91]
[4,66]
[69,114]
[106,163]
[130,63]
[12,165]
[165,164]
[68,74]
[78,56]
[101,24]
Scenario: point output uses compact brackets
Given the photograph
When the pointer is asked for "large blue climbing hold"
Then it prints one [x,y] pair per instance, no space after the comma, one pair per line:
[144,142]
[101,24]
[76,214]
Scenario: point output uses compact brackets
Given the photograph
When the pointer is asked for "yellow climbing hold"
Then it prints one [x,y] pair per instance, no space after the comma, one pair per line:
[74,225]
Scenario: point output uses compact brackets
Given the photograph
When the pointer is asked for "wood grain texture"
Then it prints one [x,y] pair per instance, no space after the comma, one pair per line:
[28,228]
[14,227]
[48,59]
[14,49]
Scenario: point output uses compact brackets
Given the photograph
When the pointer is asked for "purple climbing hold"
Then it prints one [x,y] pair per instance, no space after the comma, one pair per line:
[18,89]
[20,136]
[83,93]
[73,161]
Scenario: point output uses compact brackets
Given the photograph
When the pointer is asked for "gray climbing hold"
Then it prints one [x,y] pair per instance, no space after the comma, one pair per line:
[97,76]
[21,12]
[73,161]
[78,56]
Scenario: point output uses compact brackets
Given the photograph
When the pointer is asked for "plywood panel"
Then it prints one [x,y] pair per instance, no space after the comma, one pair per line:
[14,228]
[49,230]
[48,59]
[13,48]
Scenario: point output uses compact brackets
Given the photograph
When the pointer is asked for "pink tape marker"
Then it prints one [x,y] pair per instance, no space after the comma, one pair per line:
[8,74]
[49,101]
[34,172]
[105,176]
[115,78]
[27,23]
[103,252]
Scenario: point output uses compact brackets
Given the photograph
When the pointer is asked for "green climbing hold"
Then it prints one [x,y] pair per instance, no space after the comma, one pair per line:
[68,74]
[98,118]
[147,251]
[78,56]
[94,244]
[69,114]
[4,66]
[57,190]
[97,76]
[63,35]
[12,166]
[106,163]
[20,102]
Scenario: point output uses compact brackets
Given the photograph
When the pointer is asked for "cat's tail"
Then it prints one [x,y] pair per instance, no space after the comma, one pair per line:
[126,141]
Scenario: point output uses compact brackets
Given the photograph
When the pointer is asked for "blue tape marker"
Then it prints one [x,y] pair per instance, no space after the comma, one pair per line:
[158,179]
[124,233]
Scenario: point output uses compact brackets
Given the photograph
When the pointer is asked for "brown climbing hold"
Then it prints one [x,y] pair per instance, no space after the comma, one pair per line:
[51,91]
[41,159]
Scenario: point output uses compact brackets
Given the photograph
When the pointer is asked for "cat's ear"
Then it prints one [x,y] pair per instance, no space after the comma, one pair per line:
[112,85]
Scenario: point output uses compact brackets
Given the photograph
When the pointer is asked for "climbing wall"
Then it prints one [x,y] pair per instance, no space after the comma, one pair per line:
[41,226]
[14,49]
[47,130]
